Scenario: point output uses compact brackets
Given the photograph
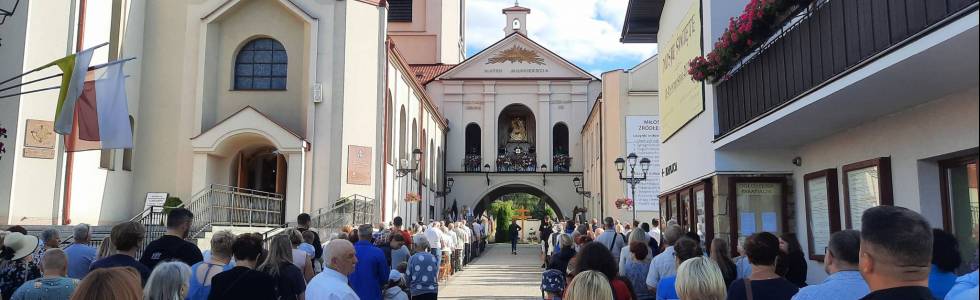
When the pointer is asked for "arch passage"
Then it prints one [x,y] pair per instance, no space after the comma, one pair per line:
[495,194]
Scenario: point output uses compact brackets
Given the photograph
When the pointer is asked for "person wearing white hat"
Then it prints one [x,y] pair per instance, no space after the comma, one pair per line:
[18,266]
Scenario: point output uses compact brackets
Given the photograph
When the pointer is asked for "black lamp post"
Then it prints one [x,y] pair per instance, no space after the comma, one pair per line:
[486,171]
[580,189]
[448,189]
[409,167]
[544,174]
[632,179]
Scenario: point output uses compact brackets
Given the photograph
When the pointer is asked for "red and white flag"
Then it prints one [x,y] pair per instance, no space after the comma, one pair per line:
[102,114]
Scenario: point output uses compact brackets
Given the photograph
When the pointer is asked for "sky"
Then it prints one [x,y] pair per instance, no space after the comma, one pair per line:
[585,32]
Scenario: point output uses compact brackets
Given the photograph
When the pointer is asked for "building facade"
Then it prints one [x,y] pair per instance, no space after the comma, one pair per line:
[850,105]
[517,110]
[288,104]
[624,120]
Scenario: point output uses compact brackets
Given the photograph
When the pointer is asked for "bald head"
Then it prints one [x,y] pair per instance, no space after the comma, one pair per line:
[55,262]
[339,255]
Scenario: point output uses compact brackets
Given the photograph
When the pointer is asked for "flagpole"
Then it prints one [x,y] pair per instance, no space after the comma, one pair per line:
[92,68]
[47,65]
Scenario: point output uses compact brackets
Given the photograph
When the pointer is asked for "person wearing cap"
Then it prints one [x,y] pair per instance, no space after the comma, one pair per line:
[393,289]
[19,265]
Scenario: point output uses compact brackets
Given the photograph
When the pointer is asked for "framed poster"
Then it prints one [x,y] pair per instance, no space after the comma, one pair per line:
[866,184]
[822,210]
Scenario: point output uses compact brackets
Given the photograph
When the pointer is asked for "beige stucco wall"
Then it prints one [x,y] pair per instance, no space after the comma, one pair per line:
[30,186]
[624,93]
[245,22]
[435,34]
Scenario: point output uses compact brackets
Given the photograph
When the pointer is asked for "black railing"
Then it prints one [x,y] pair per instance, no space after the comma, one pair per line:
[560,163]
[823,42]
[472,163]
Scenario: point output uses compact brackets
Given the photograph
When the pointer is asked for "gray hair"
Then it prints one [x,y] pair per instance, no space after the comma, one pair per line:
[673,233]
[420,242]
[49,234]
[167,281]
[81,232]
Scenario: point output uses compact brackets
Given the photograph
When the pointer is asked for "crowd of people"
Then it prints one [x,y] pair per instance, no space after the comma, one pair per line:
[895,255]
[366,262]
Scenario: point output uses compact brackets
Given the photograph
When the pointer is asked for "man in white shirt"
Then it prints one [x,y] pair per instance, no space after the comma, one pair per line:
[664,264]
[655,230]
[332,284]
[434,235]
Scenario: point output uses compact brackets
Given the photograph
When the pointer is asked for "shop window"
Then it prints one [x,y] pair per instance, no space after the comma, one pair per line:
[960,204]
[757,204]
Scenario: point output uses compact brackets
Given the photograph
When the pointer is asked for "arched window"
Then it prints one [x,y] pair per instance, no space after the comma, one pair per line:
[559,148]
[261,65]
[402,128]
[472,159]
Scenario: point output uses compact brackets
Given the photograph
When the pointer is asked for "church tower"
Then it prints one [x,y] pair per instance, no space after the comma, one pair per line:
[516,19]
[428,31]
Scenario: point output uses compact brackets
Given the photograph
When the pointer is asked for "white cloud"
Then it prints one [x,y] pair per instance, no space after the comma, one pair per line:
[584,31]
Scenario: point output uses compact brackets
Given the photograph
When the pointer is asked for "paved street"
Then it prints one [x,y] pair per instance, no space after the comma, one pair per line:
[498,275]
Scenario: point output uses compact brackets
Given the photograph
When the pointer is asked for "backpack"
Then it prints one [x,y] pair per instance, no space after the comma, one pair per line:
[553,281]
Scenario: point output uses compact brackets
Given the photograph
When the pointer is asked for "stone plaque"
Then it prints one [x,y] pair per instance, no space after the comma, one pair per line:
[32,152]
[359,165]
[39,138]
[39,134]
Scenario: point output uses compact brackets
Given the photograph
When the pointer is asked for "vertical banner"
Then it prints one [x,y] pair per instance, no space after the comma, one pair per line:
[681,98]
[643,138]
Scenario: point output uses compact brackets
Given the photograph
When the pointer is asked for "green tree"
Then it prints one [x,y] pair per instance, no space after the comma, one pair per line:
[502,212]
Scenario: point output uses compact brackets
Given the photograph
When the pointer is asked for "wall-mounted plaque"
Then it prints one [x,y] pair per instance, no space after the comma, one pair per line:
[866,184]
[822,210]
[39,139]
[359,165]
[39,134]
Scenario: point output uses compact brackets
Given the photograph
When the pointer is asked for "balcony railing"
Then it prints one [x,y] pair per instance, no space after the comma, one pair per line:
[472,163]
[517,162]
[561,162]
[827,40]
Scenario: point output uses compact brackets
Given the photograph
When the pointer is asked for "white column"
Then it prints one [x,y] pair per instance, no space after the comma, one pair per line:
[543,135]
[489,147]
[199,179]
[294,171]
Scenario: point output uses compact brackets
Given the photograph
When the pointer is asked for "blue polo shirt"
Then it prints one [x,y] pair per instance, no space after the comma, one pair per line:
[370,272]
[80,258]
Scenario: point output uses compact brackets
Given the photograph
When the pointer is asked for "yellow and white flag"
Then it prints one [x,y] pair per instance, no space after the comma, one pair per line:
[73,68]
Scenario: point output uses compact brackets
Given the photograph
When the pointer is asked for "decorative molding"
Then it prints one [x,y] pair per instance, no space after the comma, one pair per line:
[516,54]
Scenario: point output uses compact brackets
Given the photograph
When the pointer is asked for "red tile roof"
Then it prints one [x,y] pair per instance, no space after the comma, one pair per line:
[425,73]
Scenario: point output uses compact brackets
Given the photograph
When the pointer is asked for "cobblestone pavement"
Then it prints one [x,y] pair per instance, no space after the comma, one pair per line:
[498,274]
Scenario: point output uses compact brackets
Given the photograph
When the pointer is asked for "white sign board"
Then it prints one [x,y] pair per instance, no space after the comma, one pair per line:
[155,199]
[643,138]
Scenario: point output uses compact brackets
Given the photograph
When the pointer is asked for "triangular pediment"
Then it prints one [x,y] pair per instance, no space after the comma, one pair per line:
[516,57]
[247,122]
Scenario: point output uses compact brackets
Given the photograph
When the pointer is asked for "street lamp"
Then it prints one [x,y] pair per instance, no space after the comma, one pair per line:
[632,179]
[486,171]
[544,174]
[579,188]
[406,167]
[448,189]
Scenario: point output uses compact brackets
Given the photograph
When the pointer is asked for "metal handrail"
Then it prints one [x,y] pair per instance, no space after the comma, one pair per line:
[222,205]
[353,209]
